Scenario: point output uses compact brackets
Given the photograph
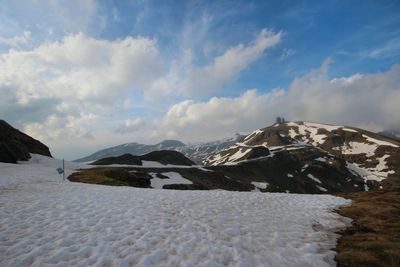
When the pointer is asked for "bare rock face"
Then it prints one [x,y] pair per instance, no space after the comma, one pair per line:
[17,146]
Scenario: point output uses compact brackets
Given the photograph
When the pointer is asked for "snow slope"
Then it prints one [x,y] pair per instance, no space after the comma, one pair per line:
[44,221]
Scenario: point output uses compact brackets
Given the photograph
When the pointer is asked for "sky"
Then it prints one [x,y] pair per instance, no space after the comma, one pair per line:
[82,75]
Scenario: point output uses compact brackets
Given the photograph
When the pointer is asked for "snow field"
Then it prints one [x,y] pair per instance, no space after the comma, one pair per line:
[44,221]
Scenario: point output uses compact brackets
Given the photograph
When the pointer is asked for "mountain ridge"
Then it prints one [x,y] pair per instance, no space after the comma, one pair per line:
[16,146]
[368,154]
[196,152]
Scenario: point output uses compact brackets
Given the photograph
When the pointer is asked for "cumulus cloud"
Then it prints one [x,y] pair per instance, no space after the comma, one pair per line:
[16,40]
[220,117]
[76,72]
[131,125]
[369,101]
[54,90]
[189,80]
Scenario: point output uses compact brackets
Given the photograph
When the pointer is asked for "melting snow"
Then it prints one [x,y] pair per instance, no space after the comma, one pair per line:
[253,134]
[304,168]
[312,177]
[358,148]
[44,221]
[173,178]
[322,188]
[349,130]
[367,174]
[260,185]
[379,142]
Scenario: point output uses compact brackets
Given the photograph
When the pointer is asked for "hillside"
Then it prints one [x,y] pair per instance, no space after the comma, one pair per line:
[165,157]
[132,148]
[17,146]
[295,157]
[317,148]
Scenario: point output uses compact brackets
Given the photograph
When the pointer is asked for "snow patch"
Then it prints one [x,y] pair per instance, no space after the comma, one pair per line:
[349,130]
[357,148]
[379,142]
[304,168]
[312,177]
[261,185]
[173,178]
[252,135]
[322,188]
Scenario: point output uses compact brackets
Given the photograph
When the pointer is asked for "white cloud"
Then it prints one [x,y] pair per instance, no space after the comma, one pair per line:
[188,80]
[80,69]
[369,100]
[47,18]
[53,89]
[390,49]
[220,117]
[16,40]
[286,53]
[131,125]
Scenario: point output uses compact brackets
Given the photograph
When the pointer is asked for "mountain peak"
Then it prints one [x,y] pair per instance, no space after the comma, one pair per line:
[171,143]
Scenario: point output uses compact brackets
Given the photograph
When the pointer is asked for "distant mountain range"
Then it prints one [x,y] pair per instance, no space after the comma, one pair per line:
[301,157]
[196,152]
[391,134]
[295,157]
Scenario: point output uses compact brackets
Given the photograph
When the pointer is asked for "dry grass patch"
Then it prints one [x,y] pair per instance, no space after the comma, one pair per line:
[111,176]
[374,237]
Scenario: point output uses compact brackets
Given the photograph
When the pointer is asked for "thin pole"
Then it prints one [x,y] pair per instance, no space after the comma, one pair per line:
[63,171]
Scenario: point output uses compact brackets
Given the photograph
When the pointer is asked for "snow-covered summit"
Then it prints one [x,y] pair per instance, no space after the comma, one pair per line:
[378,155]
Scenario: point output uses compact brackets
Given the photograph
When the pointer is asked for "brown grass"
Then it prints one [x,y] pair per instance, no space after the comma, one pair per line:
[111,176]
[374,237]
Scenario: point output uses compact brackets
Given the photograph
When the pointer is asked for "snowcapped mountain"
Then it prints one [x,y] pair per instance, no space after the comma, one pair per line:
[365,154]
[196,152]
[134,149]
[297,157]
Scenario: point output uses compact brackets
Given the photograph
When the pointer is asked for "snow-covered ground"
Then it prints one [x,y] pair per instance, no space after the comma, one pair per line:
[44,221]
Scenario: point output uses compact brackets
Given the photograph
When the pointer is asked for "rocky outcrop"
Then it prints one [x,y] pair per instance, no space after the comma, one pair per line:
[17,146]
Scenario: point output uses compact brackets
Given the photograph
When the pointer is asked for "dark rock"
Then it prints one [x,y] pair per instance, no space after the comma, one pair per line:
[17,146]
[168,157]
[257,152]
